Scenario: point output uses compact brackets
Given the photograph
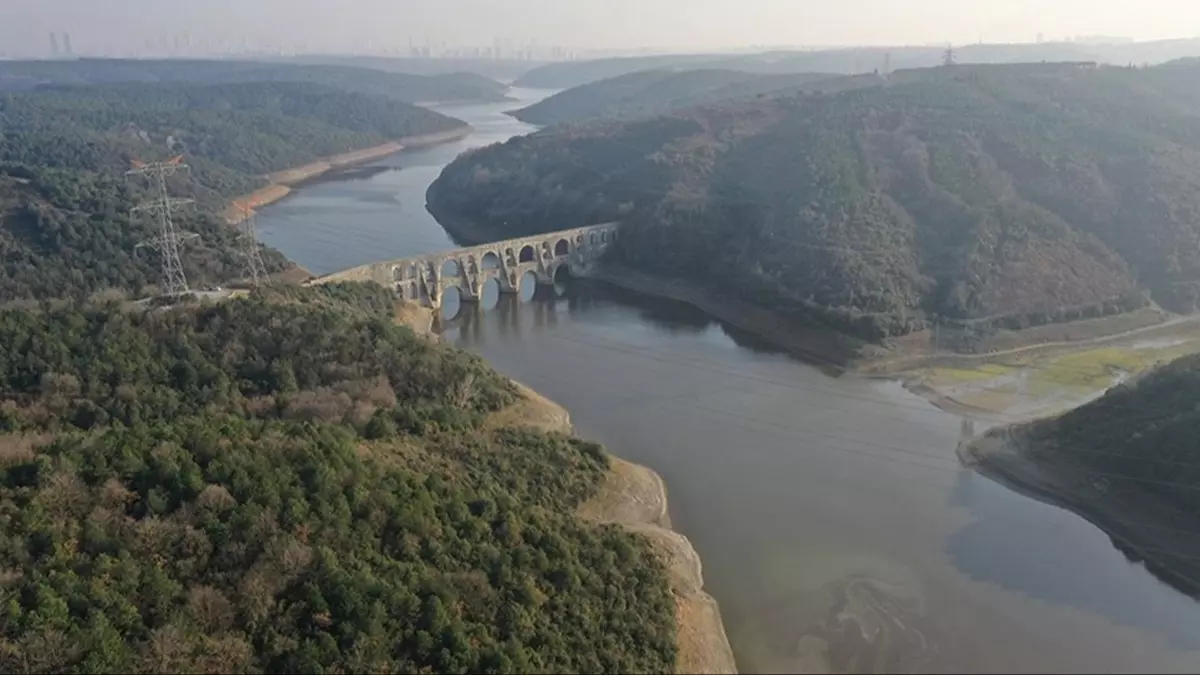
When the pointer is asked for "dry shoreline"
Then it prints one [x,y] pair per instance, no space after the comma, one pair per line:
[1116,512]
[1163,553]
[283,182]
[634,497]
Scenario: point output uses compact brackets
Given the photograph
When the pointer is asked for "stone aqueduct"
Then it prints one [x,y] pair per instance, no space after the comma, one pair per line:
[426,278]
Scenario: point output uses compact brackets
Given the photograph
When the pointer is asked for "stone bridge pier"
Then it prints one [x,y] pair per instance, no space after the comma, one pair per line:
[426,278]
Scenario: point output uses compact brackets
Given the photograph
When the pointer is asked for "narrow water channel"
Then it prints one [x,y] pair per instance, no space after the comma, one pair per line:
[837,530]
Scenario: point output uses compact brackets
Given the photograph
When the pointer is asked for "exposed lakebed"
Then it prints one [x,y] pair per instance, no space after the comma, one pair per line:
[837,529]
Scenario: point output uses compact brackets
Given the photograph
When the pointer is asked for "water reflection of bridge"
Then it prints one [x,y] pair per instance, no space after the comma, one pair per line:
[505,265]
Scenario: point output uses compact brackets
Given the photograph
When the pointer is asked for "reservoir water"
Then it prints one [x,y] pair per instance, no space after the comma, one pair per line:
[837,530]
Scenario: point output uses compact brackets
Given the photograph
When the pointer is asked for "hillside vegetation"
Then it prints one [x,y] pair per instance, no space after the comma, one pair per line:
[987,196]
[1126,461]
[1146,429]
[26,75]
[65,225]
[293,483]
[652,92]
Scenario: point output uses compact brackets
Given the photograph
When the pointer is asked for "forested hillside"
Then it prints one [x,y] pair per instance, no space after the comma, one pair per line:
[26,75]
[1147,429]
[229,129]
[65,226]
[69,233]
[985,195]
[1125,461]
[653,92]
[293,483]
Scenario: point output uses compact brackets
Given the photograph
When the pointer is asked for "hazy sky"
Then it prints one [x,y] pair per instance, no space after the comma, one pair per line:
[677,24]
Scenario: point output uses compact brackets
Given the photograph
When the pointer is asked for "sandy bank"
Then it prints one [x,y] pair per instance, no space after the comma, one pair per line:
[282,182]
[1118,509]
[635,497]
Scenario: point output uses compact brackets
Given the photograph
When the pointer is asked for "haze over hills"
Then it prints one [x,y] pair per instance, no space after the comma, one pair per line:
[852,60]
[500,70]
[651,92]
[23,75]
[986,195]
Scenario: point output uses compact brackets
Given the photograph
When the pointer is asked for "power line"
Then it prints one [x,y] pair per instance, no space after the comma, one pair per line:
[253,268]
[948,57]
[173,282]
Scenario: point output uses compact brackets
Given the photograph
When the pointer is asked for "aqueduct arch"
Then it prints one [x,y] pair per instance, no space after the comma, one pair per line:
[548,258]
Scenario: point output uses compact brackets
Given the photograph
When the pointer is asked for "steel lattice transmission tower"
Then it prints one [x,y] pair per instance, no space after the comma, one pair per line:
[255,271]
[168,241]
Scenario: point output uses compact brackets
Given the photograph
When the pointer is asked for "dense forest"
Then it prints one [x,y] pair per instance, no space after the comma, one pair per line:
[224,129]
[26,75]
[294,483]
[69,234]
[653,92]
[65,224]
[988,196]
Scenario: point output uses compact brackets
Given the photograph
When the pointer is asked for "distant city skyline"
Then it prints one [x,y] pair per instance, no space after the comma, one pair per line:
[543,28]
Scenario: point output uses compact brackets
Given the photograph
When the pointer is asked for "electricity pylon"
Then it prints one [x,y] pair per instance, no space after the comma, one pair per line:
[255,271]
[173,282]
